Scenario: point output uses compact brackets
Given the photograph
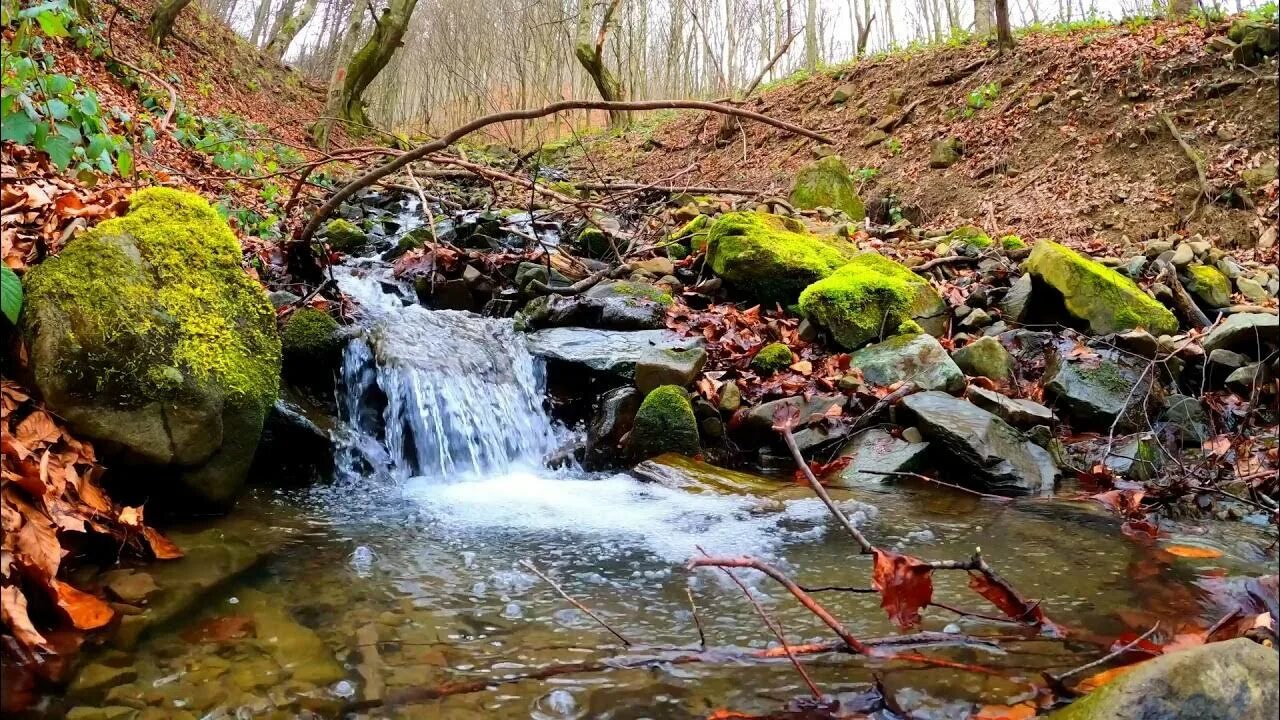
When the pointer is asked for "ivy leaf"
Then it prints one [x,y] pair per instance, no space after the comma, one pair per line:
[10,294]
[59,150]
[18,128]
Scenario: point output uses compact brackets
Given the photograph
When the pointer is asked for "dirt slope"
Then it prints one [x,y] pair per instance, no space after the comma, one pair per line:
[1063,137]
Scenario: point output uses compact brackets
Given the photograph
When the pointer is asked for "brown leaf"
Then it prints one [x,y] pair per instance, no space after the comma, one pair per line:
[1010,603]
[85,611]
[13,608]
[37,427]
[220,629]
[905,584]
[162,547]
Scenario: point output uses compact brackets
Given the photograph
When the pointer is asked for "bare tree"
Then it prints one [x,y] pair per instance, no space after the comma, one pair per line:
[370,59]
[591,56]
[289,29]
[160,27]
[811,47]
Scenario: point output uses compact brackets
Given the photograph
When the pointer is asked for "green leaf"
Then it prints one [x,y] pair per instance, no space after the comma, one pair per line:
[70,132]
[59,149]
[10,294]
[98,145]
[18,128]
[124,161]
[89,104]
[58,110]
[58,84]
[52,24]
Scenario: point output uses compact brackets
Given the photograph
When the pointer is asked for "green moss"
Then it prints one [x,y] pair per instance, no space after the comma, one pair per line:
[1012,242]
[772,358]
[343,236]
[1209,284]
[1107,300]
[593,242]
[309,332]
[693,233]
[564,187]
[770,258]
[971,236]
[869,298]
[642,290]
[664,423]
[828,183]
[188,311]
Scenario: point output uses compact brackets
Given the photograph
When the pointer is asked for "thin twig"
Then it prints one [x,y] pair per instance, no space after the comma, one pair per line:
[1057,679]
[529,564]
[697,621]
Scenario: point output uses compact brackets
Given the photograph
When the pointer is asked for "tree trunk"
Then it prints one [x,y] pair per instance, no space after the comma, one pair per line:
[1004,34]
[1180,8]
[982,17]
[260,17]
[811,50]
[162,18]
[388,33]
[591,57]
[289,29]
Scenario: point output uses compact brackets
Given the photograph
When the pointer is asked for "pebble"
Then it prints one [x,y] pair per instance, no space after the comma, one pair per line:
[1251,289]
[912,435]
[513,611]
[952,629]
[1183,255]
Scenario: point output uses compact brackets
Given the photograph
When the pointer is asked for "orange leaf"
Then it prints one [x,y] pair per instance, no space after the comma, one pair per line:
[1093,682]
[1021,711]
[162,547]
[13,609]
[905,584]
[220,629]
[1192,551]
[37,427]
[131,516]
[85,611]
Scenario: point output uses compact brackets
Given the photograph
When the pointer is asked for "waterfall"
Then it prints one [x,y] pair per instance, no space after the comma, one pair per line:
[437,393]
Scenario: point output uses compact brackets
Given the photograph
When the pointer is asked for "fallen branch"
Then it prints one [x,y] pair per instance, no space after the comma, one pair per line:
[529,564]
[1182,299]
[668,189]
[926,478]
[453,136]
[582,285]
[1193,156]
[958,75]
[492,174]
[1056,681]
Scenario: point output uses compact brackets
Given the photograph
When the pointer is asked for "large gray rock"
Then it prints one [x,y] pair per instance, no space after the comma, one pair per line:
[623,305]
[877,450]
[1231,680]
[668,366]
[760,417]
[981,449]
[614,413]
[985,357]
[917,358]
[1015,411]
[608,352]
[1099,391]
[147,336]
[1244,332]
[1188,418]
[680,472]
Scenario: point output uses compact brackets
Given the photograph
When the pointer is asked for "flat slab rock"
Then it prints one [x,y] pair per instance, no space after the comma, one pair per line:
[877,450]
[611,352]
[982,450]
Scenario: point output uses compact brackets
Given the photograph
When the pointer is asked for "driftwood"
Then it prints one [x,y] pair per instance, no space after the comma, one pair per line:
[1182,299]
[958,75]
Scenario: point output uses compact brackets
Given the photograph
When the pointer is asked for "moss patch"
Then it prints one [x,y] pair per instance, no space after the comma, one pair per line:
[770,258]
[1012,242]
[692,234]
[664,423]
[641,290]
[309,332]
[870,298]
[772,358]
[828,183]
[1209,284]
[970,235]
[1093,292]
[594,243]
[344,236]
[157,297]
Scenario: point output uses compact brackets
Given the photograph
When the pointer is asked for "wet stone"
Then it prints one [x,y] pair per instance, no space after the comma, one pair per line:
[93,681]
[1015,411]
[877,450]
[916,358]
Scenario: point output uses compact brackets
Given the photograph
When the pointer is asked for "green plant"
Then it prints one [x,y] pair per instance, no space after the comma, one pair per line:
[894,146]
[10,294]
[49,110]
[980,98]
[231,142]
[865,174]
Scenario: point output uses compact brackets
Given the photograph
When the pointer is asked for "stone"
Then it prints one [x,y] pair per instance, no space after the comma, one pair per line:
[985,357]
[872,297]
[1018,412]
[1137,457]
[664,423]
[1188,418]
[827,183]
[1183,255]
[668,366]
[769,258]
[976,318]
[981,449]
[912,435]
[606,352]
[771,358]
[680,472]
[1099,392]
[730,397]
[1014,304]
[841,94]
[129,586]
[1252,289]
[1244,332]
[879,451]
[1108,301]
[1156,248]
[1244,380]
[611,419]
[95,679]
[1228,358]
[282,298]
[147,337]
[110,712]
[945,153]
[872,137]
[343,236]
[527,272]
[1257,178]
[657,267]
[616,305]
[920,359]
[1039,100]
[1228,680]
[1209,285]
[1140,342]
[760,417]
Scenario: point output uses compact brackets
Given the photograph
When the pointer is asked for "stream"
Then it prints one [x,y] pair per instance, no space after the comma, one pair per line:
[409,566]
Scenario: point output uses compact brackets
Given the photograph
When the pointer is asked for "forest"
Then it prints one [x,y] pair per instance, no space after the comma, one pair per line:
[621,359]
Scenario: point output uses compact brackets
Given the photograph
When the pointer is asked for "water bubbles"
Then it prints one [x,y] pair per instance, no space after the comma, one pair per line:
[468,559]
[362,561]
[513,611]
[479,589]
[572,618]
[921,536]
[343,689]
[513,581]
[559,704]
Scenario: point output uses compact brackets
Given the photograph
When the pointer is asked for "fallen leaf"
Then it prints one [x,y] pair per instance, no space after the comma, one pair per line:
[220,629]
[13,608]
[1192,551]
[162,547]
[905,584]
[85,611]
[1021,711]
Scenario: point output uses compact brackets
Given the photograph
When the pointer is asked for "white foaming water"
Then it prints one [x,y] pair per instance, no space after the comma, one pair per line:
[668,523]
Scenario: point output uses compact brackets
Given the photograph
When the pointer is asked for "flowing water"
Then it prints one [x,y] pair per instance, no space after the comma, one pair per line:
[410,569]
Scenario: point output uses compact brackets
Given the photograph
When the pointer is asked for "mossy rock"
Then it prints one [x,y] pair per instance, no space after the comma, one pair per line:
[1108,301]
[1209,285]
[594,243]
[770,258]
[310,335]
[1011,242]
[664,423]
[828,183]
[149,338]
[945,153]
[343,236]
[969,236]
[873,297]
[772,358]
[692,234]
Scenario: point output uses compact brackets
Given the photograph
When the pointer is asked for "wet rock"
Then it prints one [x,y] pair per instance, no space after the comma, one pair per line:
[877,450]
[112,712]
[527,272]
[607,352]
[1188,418]
[985,357]
[977,318]
[917,358]
[873,297]
[666,366]
[730,397]
[294,450]
[1228,359]
[297,649]
[621,305]
[664,423]
[981,449]
[1137,457]
[1108,301]
[282,298]
[129,586]
[946,152]
[1014,304]
[681,472]
[1244,332]
[95,679]
[311,342]
[1244,380]
[1096,390]
[615,411]
[1019,412]
[1231,680]
[760,418]
[827,183]
[343,236]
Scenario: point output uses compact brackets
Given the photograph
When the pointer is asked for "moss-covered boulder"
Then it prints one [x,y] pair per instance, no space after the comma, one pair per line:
[873,297]
[148,337]
[343,236]
[969,239]
[772,358]
[1108,301]
[691,235]
[311,342]
[945,153]
[1209,285]
[828,183]
[770,258]
[664,423]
